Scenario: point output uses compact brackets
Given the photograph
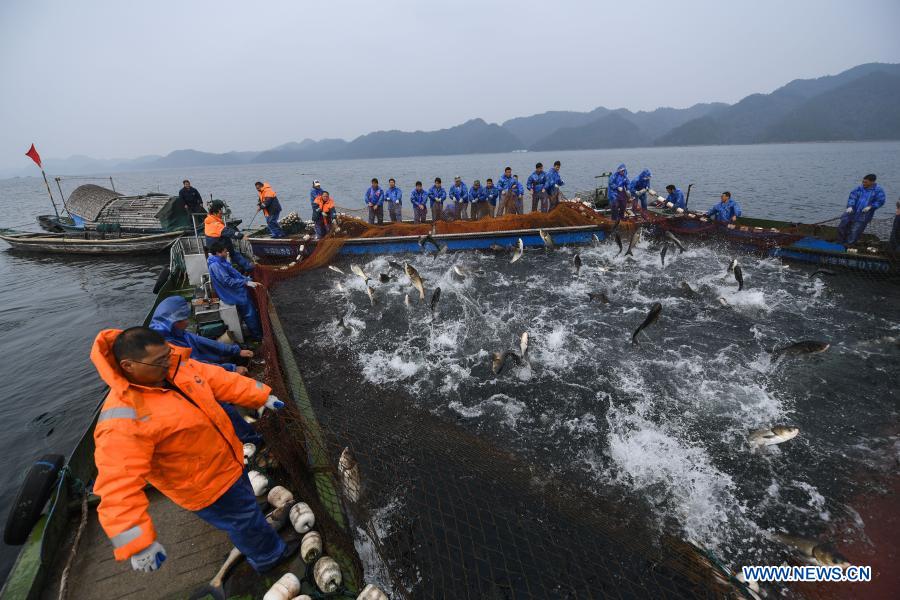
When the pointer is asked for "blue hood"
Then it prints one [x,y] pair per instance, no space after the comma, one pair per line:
[645,174]
[170,311]
[621,168]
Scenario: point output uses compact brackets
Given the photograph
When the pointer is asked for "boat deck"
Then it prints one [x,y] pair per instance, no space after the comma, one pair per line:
[195,550]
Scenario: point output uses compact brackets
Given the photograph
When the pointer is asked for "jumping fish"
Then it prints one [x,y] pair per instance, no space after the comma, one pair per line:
[427,239]
[599,297]
[520,249]
[415,279]
[548,241]
[616,226]
[652,316]
[348,468]
[595,240]
[732,265]
[723,302]
[459,272]
[498,360]
[671,237]
[358,271]
[662,255]
[523,344]
[406,300]
[395,265]
[371,294]
[435,297]
[813,551]
[618,243]
[336,269]
[739,276]
[340,286]
[634,241]
[687,289]
[345,329]
[770,437]
[803,347]
[384,277]
[576,263]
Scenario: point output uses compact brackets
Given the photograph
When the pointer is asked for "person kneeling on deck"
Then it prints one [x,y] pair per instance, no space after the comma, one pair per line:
[271,208]
[324,214]
[231,287]
[162,424]
[675,199]
[419,200]
[726,211]
[215,230]
[861,205]
[170,319]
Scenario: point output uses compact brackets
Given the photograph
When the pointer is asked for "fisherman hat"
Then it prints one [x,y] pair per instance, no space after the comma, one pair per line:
[316,182]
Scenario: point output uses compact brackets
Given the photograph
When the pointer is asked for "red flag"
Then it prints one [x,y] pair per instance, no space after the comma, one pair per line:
[33,155]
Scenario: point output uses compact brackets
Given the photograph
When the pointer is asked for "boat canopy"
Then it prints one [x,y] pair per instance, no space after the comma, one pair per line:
[91,205]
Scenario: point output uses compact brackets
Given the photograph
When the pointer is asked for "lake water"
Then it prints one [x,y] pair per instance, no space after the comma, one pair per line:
[52,307]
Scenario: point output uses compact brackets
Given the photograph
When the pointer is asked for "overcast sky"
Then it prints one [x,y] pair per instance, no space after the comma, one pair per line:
[121,79]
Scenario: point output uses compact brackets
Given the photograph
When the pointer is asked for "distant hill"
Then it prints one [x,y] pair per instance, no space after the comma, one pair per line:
[859,104]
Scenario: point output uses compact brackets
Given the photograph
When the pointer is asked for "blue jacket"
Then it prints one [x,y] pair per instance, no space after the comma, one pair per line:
[724,212]
[436,194]
[459,193]
[476,194]
[553,182]
[230,285]
[418,198]
[394,194]
[516,187]
[861,197]
[314,193]
[618,179]
[504,182]
[641,184]
[536,181]
[375,197]
[176,308]
[676,198]
[491,194]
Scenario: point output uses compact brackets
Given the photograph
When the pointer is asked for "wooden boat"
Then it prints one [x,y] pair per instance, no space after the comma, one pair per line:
[809,243]
[91,244]
[94,207]
[195,549]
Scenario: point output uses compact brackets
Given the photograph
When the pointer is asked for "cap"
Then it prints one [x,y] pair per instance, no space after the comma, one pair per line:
[316,182]
[457,177]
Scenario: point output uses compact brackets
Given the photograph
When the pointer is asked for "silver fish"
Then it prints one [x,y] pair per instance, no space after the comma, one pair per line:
[336,269]
[803,347]
[770,437]
[662,255]
[545,237]
[723,302]
[345,329]
[671,236]
[739,276]
[595,240]
[384,277]
[415,279]
[358,271]
[732,265]
[523,344]
[687,289]
[371,294]
[427,239]
[520,249]
[406,300]
[813,551]
[459,272]
[348,469]
[435,297]
[395,265]
[576,263]
[634,241]
[651,318]
[498,360]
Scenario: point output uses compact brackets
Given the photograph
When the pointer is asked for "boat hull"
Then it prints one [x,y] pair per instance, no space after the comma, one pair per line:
[59,244]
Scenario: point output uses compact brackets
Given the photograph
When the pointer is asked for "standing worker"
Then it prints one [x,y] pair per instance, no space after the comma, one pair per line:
[419,200]
[271,208]
[552,185]
[726,211]
[215,230]
[535,183]
[324,214]
[638,190]
[861,206]
[459,194]
[191,199]
[478,201]
[314,193]
[492,195]
[504,183]
[436,196]
[375,203]
[162,424]
[231,287]
[520,195]
[394,196]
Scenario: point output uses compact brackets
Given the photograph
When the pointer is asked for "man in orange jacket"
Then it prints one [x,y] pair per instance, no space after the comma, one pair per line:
[270,206]
[162,424]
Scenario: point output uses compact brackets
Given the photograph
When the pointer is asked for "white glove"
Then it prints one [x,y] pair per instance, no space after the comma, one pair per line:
[252,284]
[149,559]
[867,209]
[272,403]
[653,192]
[849,210]
[669,205]
[619,188]
[679,210]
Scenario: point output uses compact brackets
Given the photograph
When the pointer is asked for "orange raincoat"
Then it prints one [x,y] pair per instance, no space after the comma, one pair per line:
[213,226]
[265,192]
[179,440]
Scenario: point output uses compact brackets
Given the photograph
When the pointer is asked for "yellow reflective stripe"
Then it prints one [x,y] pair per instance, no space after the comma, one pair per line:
[117,413]
[127,536]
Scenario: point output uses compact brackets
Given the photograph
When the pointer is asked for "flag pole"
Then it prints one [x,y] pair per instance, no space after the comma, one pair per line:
[47,183]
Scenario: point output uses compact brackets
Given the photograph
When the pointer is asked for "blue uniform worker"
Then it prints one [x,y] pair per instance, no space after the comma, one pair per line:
[375,203]
[675,198]
[638,189]
[314,193]
[231,287]
[535,183]
[507,201]
[459,194]
[170,319]
[617,186]
[492,195]
[861,206]
[552,185]
[725,211]
[394,197]
[478,205]
[419,200]
[436,196]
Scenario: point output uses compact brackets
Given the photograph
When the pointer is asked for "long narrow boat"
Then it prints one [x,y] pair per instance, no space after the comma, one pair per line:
[195,549]
[74,244]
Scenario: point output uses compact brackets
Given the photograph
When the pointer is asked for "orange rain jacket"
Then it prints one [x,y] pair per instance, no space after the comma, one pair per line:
[213,226]
[179,440]
[325,207]
[265,192]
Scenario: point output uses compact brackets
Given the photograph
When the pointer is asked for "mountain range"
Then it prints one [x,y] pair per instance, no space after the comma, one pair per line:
[857,104]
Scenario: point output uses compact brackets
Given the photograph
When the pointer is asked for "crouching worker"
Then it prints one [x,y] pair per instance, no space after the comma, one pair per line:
[215,230]
[170,319]
[231,287]
[162,424]
[324,214]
